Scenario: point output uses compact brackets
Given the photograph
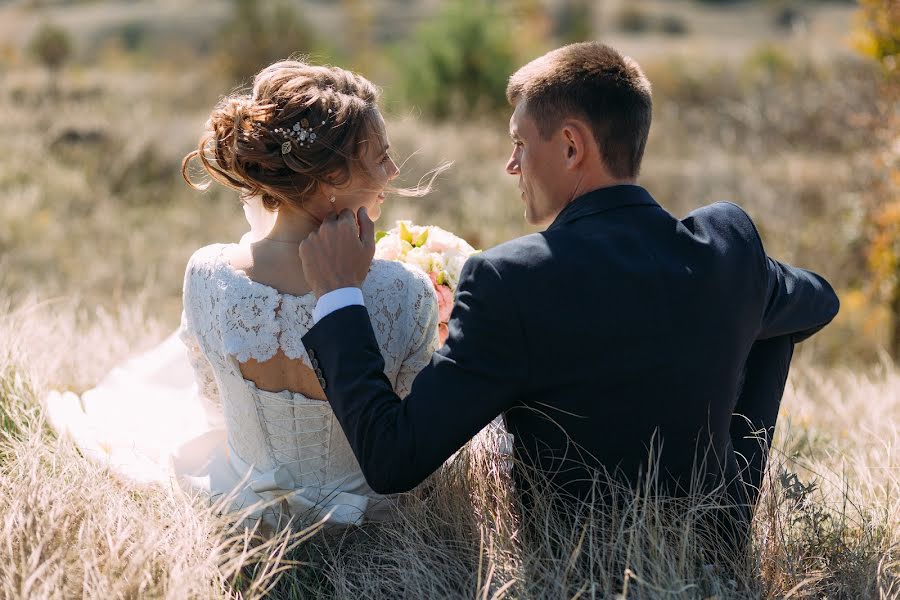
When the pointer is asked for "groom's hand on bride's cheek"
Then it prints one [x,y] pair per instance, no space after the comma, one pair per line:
[338,255]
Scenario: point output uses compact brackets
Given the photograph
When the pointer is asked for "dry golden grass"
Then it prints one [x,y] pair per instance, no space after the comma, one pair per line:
[71,529]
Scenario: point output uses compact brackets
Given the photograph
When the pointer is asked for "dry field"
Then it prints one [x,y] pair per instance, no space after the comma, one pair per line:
[827,526]
[96,227]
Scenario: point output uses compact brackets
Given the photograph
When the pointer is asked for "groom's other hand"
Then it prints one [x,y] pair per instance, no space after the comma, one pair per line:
[338,255]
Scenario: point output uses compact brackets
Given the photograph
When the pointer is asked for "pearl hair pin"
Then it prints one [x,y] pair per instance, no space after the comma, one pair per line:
[300,133]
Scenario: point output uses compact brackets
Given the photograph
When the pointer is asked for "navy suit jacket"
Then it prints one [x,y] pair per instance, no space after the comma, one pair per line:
[618,331]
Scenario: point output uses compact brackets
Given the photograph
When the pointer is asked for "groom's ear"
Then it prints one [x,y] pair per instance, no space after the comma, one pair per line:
[575,137]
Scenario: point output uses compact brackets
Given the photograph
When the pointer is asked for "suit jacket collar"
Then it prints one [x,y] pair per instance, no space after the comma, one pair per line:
[602,200]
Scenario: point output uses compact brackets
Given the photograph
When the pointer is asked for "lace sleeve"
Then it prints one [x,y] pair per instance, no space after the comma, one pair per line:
[203,371]
[423,340]
[196,321]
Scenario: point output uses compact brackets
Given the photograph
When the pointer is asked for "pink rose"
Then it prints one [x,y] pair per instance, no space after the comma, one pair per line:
[444,298]
[443,332]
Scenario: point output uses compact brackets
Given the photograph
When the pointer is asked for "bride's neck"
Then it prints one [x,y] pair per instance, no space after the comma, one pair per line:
[292,225]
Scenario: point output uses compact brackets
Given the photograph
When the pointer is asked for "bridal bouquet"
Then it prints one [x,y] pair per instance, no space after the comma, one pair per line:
[434,250]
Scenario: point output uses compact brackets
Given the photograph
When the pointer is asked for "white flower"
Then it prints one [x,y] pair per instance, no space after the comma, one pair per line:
[421,258]
[455,264]
[434,250]
[390,247]
[439,240]
[442,240]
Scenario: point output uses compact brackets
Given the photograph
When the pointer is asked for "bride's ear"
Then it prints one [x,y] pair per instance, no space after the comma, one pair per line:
[328,191]
[575,143]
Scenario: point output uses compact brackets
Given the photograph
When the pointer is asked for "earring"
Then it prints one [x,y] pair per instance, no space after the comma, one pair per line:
[332,199]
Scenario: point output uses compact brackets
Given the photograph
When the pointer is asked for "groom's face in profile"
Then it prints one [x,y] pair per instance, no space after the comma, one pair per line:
[540,166]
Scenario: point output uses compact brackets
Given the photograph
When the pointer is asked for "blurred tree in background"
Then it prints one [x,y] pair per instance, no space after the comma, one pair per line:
[574,21]
[458,63]
[52,46]
[877,36]
[361,18]
[877,32]
[259,33]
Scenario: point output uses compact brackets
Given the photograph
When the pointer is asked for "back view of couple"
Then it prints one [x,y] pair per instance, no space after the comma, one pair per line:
[617,333]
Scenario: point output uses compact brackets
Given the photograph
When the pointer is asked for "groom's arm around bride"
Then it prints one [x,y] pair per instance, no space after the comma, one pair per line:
[616,328]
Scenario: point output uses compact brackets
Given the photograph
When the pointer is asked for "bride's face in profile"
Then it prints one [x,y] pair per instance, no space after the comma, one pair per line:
[371,174]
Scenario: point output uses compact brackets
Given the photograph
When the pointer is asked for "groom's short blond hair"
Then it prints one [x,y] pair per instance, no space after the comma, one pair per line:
[592,82]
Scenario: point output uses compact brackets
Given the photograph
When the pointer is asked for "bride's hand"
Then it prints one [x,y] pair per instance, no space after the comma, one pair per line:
[338,255]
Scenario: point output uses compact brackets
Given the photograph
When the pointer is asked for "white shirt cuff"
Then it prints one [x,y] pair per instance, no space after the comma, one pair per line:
[337,299]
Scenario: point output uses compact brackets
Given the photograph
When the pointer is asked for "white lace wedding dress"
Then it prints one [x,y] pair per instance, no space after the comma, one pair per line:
[274,456]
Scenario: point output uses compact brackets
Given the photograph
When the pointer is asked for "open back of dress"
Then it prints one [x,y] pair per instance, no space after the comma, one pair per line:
[282,443]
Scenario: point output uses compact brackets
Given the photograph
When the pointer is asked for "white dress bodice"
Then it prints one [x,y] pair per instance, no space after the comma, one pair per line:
[284,443]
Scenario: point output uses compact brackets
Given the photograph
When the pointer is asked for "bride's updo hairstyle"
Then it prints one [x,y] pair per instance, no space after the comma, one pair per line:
[244,145]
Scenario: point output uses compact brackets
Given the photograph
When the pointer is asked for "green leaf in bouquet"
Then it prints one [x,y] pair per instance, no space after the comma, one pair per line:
[420,239]
[379,235]
[405,233]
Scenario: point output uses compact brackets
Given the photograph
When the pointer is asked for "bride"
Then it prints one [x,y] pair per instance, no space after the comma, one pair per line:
[250,420]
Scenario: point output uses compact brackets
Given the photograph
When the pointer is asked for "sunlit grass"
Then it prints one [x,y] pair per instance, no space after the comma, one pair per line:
[70,528]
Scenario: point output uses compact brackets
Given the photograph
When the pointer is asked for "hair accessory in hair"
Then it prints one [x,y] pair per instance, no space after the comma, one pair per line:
[301,133]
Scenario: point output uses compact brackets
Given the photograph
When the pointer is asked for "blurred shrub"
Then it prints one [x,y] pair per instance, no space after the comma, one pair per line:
[884,249]
[259,33]
[689,82]
[883,255]
[358,23]
[859,333]
[673,25]
[877,33]
[133,36]
[877,36]
[790,18]
[634,20]
[770,61]
[51,45]
[458,63]
[574,21]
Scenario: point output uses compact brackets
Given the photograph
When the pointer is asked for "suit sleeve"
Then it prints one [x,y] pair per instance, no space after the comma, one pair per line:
[478,374]
[797,302]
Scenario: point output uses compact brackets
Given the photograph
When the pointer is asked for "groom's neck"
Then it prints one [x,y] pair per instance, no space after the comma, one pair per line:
[591,180]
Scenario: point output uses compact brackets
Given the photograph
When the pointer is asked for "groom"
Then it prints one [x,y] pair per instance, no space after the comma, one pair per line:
[617,332]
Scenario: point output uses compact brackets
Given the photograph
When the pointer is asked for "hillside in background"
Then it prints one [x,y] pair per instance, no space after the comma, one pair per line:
[765,104]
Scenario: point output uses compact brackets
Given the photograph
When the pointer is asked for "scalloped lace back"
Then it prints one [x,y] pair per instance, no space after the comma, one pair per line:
[229,318]
[259,320]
